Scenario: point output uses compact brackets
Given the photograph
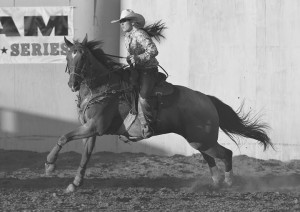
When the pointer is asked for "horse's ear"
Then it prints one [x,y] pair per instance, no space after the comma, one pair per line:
[85,40]
[68,43]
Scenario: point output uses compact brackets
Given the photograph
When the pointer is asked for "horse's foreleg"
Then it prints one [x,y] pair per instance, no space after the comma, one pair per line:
[89,145]
[84,131]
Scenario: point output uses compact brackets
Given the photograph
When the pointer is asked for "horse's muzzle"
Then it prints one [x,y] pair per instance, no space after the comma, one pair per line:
[74,86]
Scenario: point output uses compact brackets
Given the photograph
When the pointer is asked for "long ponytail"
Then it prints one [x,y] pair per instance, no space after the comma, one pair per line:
[155,30]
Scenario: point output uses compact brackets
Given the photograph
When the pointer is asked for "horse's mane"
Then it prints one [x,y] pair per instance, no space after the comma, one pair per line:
[95,47]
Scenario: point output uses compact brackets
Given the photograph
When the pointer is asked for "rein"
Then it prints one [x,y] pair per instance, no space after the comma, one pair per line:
[110,55]
[83,68]
[116,56]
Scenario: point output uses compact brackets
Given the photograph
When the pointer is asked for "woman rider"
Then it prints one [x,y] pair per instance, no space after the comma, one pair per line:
[141,54]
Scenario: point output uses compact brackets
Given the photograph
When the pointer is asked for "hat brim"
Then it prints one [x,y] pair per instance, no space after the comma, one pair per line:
[137,17]
[127,17]
[115,21]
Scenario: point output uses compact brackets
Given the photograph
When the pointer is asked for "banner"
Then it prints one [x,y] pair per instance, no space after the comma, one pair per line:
[34,34]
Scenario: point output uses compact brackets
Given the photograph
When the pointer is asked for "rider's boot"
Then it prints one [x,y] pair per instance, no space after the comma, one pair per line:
[145,117]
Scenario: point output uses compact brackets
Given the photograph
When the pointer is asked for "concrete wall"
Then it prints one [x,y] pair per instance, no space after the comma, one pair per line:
[236,50]
[36,104]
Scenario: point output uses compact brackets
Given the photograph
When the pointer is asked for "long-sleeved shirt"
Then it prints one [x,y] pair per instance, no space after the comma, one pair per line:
[139,43]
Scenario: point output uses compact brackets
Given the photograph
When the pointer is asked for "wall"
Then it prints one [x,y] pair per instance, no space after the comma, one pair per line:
[36,104]
[237,50]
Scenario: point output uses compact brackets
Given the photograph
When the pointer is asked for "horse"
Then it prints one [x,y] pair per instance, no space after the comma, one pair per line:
[104,108]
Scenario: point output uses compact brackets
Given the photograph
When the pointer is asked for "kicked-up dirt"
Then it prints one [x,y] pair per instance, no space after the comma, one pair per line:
[139,182]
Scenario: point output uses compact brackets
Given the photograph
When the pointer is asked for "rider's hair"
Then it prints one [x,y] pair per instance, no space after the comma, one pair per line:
[155,30]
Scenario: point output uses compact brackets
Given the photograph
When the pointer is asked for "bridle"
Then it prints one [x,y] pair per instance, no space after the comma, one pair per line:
[73,73]
[68,69]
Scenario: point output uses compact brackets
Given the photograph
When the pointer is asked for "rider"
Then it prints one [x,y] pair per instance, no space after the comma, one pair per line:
[141,54]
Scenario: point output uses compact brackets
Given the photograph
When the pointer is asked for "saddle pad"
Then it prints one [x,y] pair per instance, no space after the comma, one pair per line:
[164,88]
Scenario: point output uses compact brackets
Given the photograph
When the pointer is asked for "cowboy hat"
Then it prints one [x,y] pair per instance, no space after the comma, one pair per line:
[129,14]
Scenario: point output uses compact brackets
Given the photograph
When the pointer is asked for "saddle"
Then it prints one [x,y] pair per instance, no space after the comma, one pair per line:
[161,96]
[162,87]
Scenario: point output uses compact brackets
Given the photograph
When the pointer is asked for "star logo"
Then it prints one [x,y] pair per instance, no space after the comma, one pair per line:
[4,50]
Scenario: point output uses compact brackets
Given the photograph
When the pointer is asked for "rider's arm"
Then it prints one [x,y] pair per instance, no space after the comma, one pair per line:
[149,46]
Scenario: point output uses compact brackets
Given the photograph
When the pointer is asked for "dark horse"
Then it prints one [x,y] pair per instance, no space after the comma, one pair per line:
[104,108]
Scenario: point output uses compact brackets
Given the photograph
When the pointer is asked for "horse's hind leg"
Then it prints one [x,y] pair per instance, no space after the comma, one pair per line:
[89,145]
[220,152]
[214,171]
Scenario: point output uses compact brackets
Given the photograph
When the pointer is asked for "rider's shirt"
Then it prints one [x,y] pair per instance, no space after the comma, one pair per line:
[139,43]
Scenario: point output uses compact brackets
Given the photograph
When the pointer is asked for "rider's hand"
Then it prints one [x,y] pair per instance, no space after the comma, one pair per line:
[128,60]
[132,59]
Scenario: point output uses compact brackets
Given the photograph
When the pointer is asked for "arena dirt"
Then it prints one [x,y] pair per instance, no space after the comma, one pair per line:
[139,182]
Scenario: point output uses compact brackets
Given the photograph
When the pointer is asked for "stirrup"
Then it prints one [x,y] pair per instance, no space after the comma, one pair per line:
[147,133]
[48,163]
[126,139]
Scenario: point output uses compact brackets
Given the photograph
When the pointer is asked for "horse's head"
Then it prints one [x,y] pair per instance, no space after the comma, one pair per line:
[76,62]
[86,61]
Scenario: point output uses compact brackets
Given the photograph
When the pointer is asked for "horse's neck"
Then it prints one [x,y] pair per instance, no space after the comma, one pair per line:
[98,80]
[94,82]
[98,74]
[85,91]
[88,88]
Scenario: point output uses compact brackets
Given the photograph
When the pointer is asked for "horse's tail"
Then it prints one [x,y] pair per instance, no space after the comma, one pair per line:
[235,123]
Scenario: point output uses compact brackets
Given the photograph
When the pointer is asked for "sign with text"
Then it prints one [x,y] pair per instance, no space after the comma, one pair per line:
[35,34]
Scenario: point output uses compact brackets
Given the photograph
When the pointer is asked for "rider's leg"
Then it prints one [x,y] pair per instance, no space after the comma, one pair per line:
[145,114]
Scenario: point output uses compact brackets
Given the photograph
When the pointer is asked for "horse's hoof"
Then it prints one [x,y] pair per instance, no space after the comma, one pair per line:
[70,189]
[228,178]
[49,168]
[228,182]
[216,177]
[217,184]
[78,181]
[217,181]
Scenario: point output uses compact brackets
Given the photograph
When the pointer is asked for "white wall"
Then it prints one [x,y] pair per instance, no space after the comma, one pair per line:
[36,104]
[236,50]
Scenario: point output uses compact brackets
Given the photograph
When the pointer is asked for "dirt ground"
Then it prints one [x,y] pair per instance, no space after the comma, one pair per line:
[139,182]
